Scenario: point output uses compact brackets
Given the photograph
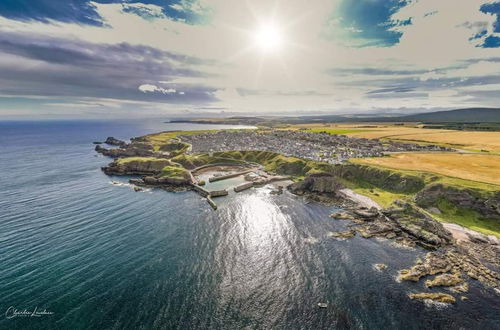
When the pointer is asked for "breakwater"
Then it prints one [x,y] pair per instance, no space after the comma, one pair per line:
[243,186]
[228,176]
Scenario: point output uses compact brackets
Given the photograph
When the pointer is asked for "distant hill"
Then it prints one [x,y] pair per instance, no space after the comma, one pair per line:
[460,116]
[471,115]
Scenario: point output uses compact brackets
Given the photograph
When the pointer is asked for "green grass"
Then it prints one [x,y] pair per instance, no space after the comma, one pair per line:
[382,184]
[174,172]
[383,197]
[174,147]
[164,138]
[140,159]
[467,218]
[271,161]
[197,160]
[449,212]
[277,163]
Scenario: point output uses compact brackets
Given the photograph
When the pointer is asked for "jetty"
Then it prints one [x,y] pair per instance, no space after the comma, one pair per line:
[243,186]
[211,202]
[200,190]
[228,176]
[219,193]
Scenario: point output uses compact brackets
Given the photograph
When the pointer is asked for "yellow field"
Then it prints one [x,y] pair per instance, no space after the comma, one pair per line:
[488,141]
[470,140]
[474,167]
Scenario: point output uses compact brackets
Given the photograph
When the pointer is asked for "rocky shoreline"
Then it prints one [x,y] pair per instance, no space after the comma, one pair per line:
[453,260]
[450,265]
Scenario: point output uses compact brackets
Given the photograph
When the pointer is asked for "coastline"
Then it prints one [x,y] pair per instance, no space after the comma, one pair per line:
[408,223]
[154,248]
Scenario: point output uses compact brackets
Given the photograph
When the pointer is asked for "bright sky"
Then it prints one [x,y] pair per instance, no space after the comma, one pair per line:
[155,57]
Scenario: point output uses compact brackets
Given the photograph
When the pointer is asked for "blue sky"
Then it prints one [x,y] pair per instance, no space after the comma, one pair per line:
[150,57]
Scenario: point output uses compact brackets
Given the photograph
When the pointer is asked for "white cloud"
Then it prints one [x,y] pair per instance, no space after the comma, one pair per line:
[148,88]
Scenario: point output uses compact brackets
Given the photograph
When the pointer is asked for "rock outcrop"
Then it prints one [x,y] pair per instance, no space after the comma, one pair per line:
[428,232]
[134,149]
[343,234]
[452,263]
[404,222]
[445,280]
[385,179]
[486,206]
[436,297]
[115,142]
[321,183]
[136,167]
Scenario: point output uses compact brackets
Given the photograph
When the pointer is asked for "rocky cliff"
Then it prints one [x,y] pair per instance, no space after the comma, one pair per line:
[486,206]
[385,179]
[321,183]
[134,149]
[136,167]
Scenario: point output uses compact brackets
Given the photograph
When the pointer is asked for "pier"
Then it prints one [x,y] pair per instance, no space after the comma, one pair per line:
[228,176]
[243,186]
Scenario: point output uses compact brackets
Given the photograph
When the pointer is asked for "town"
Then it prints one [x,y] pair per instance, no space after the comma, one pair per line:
[324,147]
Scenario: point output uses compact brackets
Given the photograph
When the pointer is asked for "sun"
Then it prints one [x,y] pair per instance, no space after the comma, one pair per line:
[269,37]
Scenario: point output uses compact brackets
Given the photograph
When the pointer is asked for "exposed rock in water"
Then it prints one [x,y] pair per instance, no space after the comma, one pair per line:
[434,263]
[444,280]
[277,191]
[343,234]
[437,297]
[380,266]
[115,142]
[454,261]
[464,287]
[370,214]
[342,215]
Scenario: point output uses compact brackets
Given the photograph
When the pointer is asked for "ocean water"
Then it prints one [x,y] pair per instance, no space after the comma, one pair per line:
[101,256]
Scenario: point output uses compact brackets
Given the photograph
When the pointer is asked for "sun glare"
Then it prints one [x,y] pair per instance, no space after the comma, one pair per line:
[269,37]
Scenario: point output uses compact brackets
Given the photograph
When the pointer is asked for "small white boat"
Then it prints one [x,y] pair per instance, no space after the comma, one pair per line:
[322,305]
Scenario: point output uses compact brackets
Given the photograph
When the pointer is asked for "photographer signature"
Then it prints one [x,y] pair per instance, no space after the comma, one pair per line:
[13,312]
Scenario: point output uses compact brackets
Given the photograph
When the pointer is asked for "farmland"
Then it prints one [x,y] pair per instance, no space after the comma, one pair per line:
[467,140]
[473,167]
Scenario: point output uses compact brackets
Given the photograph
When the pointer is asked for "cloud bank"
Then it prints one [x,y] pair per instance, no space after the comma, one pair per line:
[171,57]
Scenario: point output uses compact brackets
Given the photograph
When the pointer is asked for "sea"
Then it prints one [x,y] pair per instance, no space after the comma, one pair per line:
[78,251]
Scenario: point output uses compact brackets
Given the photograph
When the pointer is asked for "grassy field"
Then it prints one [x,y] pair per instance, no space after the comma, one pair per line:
[412,132]
[475,141]
[175,172]
[473,167]
[467,218]
[141,159]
